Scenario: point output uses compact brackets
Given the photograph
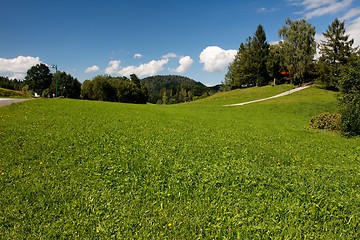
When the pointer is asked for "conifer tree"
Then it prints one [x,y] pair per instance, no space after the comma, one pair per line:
[335,51]
[249,65]
[260,49]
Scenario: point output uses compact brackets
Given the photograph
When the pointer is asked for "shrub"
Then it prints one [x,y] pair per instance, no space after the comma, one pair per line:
[327,121]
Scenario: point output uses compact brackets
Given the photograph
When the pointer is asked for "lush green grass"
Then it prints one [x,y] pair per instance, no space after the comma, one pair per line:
[74,169]
[12,94]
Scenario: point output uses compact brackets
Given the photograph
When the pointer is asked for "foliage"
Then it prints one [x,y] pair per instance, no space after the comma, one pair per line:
[172,89]
[335,52]
[38,78]
[106,88]
[12,84]
[239,71]
[67,86]
[275,62]
[260,56]
[299,48]
[326,121]
[249,64]
[349,97]
[73,169]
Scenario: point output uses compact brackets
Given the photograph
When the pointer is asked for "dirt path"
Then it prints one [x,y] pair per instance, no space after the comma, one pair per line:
[8,101]
[268,98]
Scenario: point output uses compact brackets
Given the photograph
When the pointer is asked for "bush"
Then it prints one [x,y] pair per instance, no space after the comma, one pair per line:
[326,121]
[349,98]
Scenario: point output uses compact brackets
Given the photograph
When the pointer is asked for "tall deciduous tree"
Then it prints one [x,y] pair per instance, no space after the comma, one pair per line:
[275,62]
[299,48]
[335,51]
[68,86]
[38,78]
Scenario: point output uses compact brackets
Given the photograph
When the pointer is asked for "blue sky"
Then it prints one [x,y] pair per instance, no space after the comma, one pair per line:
[193,38]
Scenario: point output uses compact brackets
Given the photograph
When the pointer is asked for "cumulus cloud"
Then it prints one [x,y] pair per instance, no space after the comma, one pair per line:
[17,67]
[113,68]
[145,70]
[137,55]
[92,69]
[185,64]
[216,59]
[169,55]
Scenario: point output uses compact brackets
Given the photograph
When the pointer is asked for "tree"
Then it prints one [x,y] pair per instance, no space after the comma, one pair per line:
[135,80]
[249,64]
[349,97]
[68,86]
[335,52]
[87,90]
[260,49]
[38,78]
[299,48]
[275,62]
[106,88]
[241,70]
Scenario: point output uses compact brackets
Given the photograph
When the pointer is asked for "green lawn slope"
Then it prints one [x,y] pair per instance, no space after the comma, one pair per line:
[12,94]
[73,169]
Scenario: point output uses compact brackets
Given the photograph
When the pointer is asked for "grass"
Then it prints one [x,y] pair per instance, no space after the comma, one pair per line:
[12,94]
[74,169]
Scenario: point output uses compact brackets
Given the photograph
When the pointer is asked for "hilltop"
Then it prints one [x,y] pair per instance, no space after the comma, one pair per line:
[175,89]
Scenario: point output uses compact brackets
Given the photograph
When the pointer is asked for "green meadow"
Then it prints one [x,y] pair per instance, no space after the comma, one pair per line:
[76,169]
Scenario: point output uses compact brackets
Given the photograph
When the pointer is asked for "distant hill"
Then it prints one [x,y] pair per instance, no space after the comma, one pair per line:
[170,89]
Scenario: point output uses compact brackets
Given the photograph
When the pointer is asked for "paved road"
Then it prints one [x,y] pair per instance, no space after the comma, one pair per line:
[276,96]
[8,101]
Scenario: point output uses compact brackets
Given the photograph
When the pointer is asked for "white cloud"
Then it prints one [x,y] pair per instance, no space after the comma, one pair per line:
[185,64]
[316,8]
[353,29]
[114,67]
[17,76]
[266,10]
[354,12]
[169,55]
[216,59]
[92,69]
[145,70]
[17,67]
[137,55]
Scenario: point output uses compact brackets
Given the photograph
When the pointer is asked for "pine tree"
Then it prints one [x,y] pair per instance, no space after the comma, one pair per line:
[260,49]
[335,52]
[249,65]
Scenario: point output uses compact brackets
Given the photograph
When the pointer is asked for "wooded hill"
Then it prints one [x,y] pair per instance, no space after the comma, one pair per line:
[170,89]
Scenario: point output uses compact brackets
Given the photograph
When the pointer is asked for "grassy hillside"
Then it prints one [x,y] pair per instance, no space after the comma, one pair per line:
[13,94]
[73,169]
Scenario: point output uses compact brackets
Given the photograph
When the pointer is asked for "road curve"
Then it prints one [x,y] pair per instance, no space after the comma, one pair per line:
[8,101]
[268,98]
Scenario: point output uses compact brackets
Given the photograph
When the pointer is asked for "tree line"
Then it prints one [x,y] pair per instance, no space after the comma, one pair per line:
[292,59]
[337,68]
[169,89]
[115,89]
